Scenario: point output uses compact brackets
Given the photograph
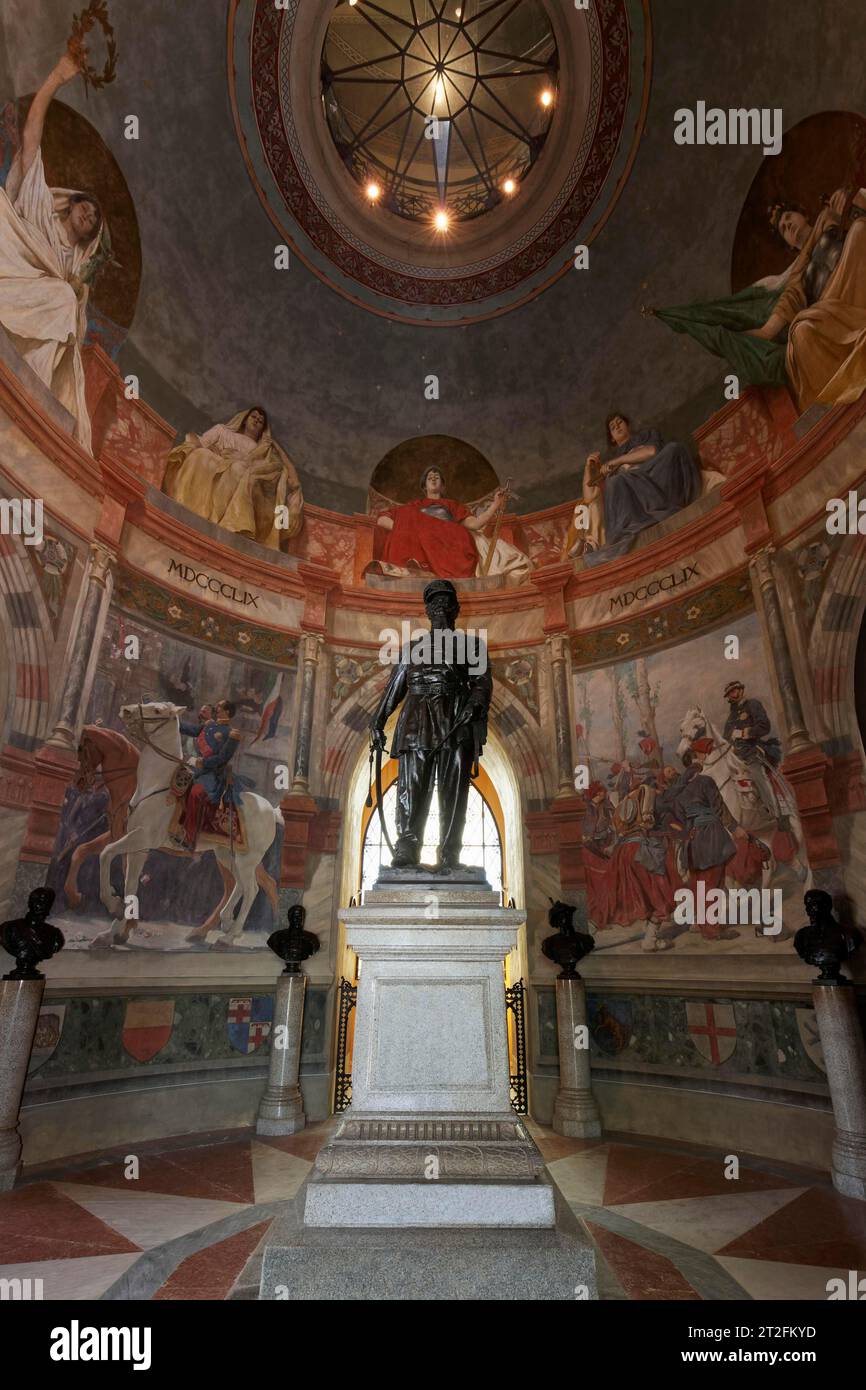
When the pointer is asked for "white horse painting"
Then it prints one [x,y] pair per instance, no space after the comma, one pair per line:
[156,726]
[742,794]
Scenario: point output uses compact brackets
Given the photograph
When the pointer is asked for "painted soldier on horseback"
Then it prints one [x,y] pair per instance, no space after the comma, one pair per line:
[214,782]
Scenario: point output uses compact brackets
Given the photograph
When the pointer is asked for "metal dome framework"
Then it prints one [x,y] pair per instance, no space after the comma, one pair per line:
[436,109]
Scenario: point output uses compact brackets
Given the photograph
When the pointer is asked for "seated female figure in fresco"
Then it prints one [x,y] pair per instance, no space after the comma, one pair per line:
[237,476]
[642,482]
[809,331]
[53,242]
[441,536]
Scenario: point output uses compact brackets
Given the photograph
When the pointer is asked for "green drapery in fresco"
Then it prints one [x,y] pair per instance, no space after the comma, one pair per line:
[719,324]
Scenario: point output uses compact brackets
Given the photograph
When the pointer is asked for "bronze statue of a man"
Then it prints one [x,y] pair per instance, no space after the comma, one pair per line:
[440,732]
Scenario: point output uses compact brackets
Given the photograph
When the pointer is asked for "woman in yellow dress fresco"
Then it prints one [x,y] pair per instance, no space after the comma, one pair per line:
[236,475]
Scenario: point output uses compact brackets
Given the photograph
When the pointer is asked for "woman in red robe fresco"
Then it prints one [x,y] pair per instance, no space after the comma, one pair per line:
[433,532]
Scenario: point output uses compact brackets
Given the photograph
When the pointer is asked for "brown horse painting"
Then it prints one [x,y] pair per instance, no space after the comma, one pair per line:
[110,760]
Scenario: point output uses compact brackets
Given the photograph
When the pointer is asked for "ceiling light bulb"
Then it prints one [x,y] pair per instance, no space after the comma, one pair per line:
[440,221]
[373,191]
[546,97]
[509,186]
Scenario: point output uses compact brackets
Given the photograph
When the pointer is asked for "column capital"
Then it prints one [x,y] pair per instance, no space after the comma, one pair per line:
[761,562]
[102,562]
[312,643]
[557,643]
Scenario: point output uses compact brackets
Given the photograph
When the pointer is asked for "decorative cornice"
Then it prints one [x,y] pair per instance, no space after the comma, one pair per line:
[814,446]
[667,550]
[221,555]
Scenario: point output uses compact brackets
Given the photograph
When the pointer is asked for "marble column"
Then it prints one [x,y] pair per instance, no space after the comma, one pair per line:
[282,1107]
[83,642]
[841,1036]
[767,597]
[19,1010]
[312,643]
[561,717]
[575,1112]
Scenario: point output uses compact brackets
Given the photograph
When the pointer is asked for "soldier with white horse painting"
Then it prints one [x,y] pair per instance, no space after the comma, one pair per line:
[754,792]
[153,812]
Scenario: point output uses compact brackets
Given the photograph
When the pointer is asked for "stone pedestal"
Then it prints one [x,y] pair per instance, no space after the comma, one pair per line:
[575,1112]
[282,1107]
[845,1057]
[430,1138]
[19,1010]
[432,1187]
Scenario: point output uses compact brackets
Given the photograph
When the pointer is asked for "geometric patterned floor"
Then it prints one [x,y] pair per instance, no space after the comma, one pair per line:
[666,1224]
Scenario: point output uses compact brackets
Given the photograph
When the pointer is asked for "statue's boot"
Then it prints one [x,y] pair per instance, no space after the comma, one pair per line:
[406,853]
[404,860]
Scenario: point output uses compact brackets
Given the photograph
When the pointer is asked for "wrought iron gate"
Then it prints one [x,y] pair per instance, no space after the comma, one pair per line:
[515,1000]
[347,995]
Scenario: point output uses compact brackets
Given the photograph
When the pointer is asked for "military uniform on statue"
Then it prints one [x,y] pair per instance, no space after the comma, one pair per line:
[440,734]
[430,1166]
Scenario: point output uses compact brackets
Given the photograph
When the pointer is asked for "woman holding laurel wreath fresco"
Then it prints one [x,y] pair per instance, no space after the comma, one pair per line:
[53,242]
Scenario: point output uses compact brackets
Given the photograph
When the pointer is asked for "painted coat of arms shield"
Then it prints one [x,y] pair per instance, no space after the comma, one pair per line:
[712,1029]
[49,1027]
[249,1021]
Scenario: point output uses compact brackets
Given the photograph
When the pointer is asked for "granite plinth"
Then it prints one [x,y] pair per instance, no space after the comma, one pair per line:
[430,1138]
[430,1023]
[445,1171]
[470,1203]
[412,1264]
[291,1124]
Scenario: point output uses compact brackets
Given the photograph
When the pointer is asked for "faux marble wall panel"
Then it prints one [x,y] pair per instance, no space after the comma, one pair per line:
[92,1035]
[729,1037]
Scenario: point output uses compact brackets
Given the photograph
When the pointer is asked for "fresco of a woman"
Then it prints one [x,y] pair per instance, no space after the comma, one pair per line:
[807,331]
[643,481]
[236,475]
[438,535]
[52,243]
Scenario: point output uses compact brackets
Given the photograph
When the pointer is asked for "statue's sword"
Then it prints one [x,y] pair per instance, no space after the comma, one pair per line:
[465,718]
[379,799]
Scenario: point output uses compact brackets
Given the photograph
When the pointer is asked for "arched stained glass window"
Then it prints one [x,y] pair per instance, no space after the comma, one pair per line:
[481,841]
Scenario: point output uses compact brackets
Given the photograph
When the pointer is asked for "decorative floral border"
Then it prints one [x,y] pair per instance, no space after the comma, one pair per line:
[181,615]
[683,618]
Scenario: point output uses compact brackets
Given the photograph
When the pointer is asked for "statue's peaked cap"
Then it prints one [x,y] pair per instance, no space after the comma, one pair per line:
[439,586]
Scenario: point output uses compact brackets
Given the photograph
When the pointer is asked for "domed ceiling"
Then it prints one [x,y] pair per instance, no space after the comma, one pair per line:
[325,344]
[439,163]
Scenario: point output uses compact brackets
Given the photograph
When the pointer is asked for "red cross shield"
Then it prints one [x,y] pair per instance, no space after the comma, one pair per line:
[712,1029]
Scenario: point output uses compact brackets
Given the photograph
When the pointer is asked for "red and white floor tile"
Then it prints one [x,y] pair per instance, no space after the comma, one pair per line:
[666,1224]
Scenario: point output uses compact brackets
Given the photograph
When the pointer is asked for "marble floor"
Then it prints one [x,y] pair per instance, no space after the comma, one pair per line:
[666,1224]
